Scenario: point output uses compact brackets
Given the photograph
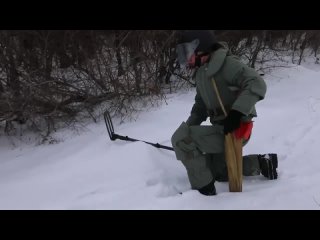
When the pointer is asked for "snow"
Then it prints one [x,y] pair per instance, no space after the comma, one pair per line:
[88,171]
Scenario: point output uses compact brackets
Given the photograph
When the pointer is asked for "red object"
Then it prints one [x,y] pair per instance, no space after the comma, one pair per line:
[244,131]
[192,61]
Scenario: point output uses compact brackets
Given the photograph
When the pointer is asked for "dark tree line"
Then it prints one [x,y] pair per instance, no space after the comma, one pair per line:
[49,77]
[251,43]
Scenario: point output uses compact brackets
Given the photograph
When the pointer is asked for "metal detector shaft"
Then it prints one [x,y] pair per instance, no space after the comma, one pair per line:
[113,136]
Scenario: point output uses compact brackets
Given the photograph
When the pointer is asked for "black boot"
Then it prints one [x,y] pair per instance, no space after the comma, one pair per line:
[269,164]
[209,189]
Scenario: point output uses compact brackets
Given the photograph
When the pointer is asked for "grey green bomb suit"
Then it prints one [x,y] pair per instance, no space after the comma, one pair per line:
[201,148]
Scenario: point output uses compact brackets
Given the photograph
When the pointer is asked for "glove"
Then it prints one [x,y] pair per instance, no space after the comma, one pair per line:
[232,121]
[244,131]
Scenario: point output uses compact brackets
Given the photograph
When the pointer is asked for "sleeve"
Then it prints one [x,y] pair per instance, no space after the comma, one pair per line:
[198,111]
[252,88]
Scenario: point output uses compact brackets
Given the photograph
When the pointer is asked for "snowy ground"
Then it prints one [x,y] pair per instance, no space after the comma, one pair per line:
[88,171]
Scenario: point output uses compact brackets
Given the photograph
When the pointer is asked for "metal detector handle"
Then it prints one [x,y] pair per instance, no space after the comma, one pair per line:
[125,138]
[113,136]
[157,145]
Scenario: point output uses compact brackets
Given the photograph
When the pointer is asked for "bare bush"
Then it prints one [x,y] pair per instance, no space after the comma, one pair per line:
[49,77]
[54,78]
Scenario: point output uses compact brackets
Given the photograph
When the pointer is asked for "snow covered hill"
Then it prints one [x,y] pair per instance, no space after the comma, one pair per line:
[88,171]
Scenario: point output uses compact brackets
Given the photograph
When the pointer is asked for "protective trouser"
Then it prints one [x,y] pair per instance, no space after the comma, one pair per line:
[201,150]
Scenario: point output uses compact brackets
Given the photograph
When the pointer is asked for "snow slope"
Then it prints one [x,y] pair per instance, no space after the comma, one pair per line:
[88,171]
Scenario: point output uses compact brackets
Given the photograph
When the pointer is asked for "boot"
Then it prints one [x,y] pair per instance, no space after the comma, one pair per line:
[209,189]
[269,164]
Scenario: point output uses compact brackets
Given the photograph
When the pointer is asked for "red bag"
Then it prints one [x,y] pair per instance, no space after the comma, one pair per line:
[244,131]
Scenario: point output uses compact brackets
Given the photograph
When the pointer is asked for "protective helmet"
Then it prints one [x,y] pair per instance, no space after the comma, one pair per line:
[192,41]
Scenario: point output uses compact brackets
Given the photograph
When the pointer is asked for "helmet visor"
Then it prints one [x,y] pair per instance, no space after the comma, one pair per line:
[185,51]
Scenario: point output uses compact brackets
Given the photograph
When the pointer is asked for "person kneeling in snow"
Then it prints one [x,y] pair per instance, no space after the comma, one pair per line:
[201,148]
